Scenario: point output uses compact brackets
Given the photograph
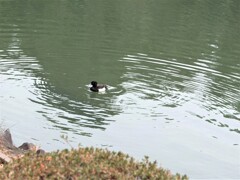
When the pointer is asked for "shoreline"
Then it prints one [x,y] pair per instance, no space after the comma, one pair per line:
[9,152]
[29,162]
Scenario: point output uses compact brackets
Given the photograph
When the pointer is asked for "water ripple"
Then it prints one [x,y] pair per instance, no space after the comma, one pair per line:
[173,83]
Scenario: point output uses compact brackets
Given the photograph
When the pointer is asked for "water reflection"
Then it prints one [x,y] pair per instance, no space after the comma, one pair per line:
[91,112]
[174,67]
[75,115]
[173,84]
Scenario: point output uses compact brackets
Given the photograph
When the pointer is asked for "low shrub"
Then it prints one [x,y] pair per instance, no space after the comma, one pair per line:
[84,163]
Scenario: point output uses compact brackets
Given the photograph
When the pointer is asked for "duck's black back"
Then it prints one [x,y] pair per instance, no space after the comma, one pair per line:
[94,89]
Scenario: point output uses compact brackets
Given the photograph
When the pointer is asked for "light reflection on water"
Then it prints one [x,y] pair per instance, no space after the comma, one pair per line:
[166,84]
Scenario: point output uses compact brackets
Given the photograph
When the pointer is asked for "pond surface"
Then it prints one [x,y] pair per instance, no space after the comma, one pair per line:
[172,67]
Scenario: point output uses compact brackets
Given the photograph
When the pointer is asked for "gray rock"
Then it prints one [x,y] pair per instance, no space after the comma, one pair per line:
[40,152]
[27,146]
[6,138]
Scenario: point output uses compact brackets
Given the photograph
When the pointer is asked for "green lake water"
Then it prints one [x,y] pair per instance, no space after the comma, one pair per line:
[172,67]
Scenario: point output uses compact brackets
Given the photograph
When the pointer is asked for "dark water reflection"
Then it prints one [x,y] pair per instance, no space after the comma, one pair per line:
[173,70]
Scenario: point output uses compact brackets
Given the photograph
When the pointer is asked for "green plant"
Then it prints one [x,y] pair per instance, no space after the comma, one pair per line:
[84,163]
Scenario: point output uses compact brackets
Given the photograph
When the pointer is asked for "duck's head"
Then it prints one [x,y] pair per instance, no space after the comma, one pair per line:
[94,83]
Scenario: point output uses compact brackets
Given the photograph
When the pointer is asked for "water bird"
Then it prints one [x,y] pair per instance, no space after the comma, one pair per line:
[98,87]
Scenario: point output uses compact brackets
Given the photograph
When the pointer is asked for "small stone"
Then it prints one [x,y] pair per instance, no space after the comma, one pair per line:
[4,158]
[40,152]
[27,146]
